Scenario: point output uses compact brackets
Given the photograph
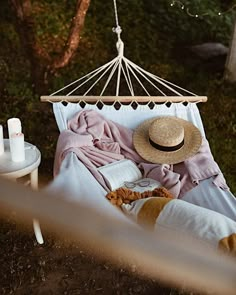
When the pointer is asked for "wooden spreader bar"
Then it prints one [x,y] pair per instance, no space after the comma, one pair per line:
[161,99]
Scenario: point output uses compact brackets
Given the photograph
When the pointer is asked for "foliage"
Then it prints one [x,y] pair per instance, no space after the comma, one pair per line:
[156,37]
[186,30]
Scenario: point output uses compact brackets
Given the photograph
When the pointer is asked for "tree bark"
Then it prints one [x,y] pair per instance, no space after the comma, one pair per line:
[74,35]
[42,65]
[230,67]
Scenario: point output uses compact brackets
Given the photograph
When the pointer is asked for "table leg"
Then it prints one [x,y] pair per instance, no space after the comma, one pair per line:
[34,179]
[36,226]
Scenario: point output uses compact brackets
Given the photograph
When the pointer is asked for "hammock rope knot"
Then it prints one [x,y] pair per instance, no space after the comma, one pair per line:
[120,48]
[117,30]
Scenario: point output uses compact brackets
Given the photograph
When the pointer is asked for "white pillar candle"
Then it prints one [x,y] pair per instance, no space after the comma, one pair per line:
[1,140]
[14,126]
[17,147]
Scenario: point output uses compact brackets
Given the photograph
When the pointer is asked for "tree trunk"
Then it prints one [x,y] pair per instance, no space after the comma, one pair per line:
[230,67]
[42,65]
[72,42]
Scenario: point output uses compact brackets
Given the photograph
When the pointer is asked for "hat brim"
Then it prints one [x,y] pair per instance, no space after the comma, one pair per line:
[192,143]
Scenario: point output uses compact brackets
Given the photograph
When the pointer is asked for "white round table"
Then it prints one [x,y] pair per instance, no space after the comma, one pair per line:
[13,170]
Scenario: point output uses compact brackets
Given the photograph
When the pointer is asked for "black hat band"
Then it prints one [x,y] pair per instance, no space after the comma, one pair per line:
[166,148]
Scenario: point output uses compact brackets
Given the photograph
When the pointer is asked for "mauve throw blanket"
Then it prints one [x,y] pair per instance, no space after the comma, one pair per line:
[98,141]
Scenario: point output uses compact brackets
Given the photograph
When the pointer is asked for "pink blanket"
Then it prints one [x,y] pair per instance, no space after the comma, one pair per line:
[98,141]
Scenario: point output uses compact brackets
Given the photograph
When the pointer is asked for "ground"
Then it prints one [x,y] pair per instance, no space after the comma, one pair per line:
[62,267]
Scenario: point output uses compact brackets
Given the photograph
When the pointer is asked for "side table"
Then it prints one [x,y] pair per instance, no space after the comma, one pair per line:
[13,170]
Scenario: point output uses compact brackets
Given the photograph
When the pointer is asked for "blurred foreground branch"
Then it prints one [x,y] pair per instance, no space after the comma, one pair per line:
[172,261]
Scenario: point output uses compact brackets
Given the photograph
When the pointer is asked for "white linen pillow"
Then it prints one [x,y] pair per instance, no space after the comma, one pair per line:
[177,217]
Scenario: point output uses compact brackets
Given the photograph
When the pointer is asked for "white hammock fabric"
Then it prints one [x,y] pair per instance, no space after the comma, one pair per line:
[127,116]
[74,177]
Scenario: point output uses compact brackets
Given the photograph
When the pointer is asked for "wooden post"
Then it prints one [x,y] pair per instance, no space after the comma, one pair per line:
[230,67]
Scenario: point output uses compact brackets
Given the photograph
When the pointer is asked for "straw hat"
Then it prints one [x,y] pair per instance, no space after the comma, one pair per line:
[166,140]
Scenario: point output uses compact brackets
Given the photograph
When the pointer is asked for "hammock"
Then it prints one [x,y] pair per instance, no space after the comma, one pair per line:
[131,111]
[75,180]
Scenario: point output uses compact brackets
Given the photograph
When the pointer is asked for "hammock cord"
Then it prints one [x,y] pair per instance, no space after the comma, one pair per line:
[117,29]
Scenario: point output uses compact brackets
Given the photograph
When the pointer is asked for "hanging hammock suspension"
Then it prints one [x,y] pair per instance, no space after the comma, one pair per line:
[154,88]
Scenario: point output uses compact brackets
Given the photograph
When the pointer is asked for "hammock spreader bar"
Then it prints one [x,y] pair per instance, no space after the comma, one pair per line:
[161,99]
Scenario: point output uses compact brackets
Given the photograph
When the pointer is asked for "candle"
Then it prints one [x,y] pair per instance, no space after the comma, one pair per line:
[14,126]
[1,140]
[17,147]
